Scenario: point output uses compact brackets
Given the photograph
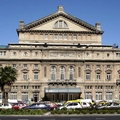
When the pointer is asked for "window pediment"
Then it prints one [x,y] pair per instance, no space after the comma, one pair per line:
[98,71]
[35,70]
[25,70]
[108,71]
[88,71]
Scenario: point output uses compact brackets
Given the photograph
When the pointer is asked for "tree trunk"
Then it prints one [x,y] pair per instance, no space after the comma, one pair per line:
[4,97]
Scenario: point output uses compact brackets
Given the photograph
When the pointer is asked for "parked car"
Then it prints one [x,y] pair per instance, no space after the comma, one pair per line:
[41,106]
[27,102]
[86,105]
[18,105]
[109,105]
[72,105]
[53,105]
[5,106]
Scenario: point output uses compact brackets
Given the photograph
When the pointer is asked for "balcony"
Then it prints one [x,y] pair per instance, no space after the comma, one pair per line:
[62,82]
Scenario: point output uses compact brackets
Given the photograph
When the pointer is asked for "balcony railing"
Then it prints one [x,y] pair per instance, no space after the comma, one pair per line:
[63,81]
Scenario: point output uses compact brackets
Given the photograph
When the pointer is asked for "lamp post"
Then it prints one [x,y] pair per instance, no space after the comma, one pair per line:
[68,89]
[27,87]
[117,84]
[107,90]
[85,73]
[86,46]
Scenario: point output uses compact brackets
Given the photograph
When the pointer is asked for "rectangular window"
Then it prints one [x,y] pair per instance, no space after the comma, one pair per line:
[78,71]
[71,76]
[14,65]
[4,53]
[98,95]
[108,66]
[87,66]
[74,37]
[35,66]
[97,66]
[45,71]
[109,96]
[0,53]
[108,76]
[88,95]
[65,36]
[46,36]
[35,75]
[25,66]
[25,76]
[70,96]
[62,76]
[13,95]
[53,97]
[87,76]
[56,37]
[60,37]
[24,96]
[53,76]
[62,97]
[98,76]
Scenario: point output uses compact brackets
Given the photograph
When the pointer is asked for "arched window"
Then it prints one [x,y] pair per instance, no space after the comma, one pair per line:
[62,73]
[60,24]
[53,73]
[71,73]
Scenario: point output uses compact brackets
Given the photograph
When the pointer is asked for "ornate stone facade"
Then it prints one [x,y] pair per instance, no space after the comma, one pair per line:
[62,57]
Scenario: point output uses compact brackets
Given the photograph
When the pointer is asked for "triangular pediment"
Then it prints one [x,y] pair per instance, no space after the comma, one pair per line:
[48,23]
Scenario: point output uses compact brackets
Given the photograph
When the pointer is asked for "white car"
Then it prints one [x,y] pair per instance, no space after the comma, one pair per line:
[5,106]
[72,105]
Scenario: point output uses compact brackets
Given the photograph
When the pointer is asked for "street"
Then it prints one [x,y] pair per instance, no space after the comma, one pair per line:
[59,117]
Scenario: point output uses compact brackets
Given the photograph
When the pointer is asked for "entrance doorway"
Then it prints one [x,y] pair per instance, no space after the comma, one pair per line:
[35,97]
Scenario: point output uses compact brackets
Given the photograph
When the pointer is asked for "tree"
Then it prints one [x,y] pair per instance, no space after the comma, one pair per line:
[8,76]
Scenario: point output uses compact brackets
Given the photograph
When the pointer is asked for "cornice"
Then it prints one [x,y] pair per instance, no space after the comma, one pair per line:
[55,15]
[57,31]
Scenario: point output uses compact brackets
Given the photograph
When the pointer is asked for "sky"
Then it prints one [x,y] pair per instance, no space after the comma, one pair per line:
[107,12]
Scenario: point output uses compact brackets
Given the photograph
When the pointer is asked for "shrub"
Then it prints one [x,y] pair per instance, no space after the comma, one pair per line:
[64,108]
[99,112]
[78,112]
[70,112]
[118,111]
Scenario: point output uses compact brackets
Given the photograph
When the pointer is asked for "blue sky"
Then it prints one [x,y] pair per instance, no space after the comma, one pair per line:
[107,12]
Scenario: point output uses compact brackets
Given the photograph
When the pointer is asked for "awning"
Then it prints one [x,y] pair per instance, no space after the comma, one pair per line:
[62,90]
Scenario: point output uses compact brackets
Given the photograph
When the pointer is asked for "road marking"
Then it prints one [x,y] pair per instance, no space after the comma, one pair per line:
[23,119]
[75,119]
[49,119]
[100,118]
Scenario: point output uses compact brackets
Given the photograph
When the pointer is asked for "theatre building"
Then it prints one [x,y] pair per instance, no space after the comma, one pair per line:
[61,57]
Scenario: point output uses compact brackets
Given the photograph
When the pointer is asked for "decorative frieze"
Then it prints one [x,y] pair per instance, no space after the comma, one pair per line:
[62,54]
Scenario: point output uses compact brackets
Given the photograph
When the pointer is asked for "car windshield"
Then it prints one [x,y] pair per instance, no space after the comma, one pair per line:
[32,104]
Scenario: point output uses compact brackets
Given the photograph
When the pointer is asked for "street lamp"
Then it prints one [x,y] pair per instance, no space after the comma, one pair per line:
[68,89]
[27,87]
[86,46]
[117,84]
[85,73]
[107,90]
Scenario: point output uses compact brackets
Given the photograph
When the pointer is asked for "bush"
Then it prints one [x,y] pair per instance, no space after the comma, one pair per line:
[118,111]
[64,108]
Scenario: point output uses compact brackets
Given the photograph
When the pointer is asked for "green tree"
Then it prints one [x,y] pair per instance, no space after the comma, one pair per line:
[8,76]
